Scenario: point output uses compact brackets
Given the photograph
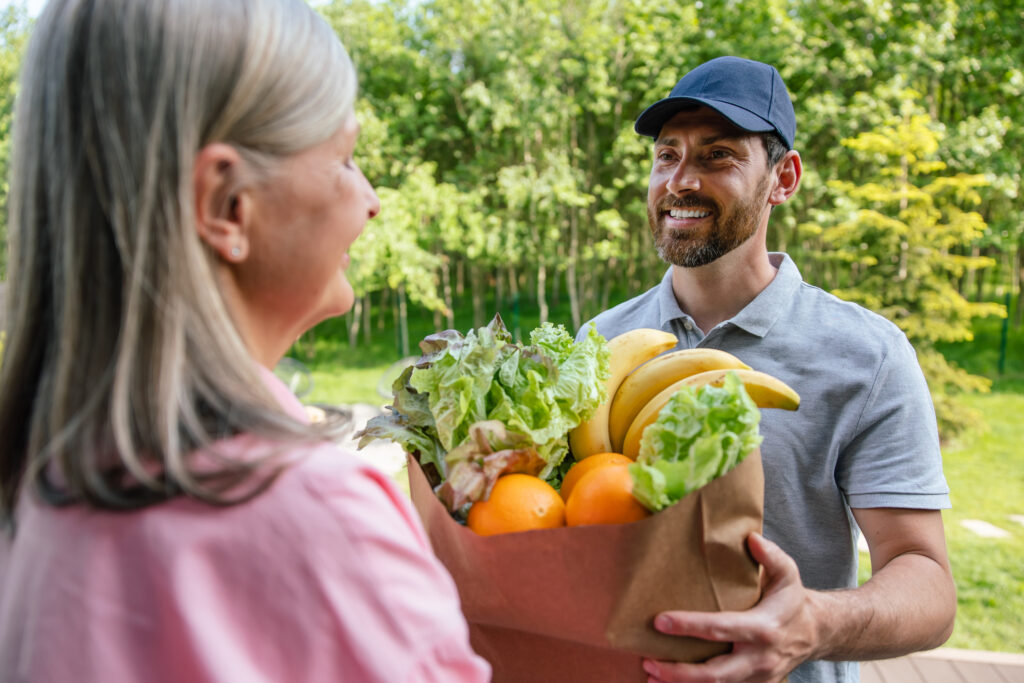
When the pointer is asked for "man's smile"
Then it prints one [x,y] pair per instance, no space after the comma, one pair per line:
[689,213]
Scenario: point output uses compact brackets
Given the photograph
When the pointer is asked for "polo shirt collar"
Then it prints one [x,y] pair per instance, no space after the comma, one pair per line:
[759,315]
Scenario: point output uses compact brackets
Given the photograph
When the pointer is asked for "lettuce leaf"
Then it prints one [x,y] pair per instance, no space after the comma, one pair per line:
[538,391]
[409,423]
[475,465]
[698,436]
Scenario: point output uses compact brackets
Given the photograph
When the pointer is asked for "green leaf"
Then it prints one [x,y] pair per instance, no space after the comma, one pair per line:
[698,436]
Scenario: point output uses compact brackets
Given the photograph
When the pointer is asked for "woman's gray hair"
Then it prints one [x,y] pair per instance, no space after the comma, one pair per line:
[121,358]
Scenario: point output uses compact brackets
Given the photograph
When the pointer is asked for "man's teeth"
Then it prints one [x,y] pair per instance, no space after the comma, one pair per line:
[688,213]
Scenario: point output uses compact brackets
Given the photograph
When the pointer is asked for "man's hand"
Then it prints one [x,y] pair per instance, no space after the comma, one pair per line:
[908,605]
[769,640]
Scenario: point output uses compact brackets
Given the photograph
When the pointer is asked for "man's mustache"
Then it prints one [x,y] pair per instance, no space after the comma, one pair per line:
[688,202]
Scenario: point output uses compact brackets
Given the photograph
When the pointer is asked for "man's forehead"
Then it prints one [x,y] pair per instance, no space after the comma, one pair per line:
[703,120]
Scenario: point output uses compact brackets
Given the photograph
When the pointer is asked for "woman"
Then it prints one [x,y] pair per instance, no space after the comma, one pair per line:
[183,199]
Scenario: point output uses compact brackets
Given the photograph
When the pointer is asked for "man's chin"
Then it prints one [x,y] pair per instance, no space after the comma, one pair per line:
[687,258]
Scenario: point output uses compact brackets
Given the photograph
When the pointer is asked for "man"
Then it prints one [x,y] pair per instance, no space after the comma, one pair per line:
[863,446]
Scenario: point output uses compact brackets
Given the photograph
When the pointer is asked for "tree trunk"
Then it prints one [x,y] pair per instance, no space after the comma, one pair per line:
[355,316]
[631,271]
[396,322]
[571,277]
[499,290]
[477,284]
[403,322]
[385,304]
[556,286]
[446,290]
[542,301]
[979,287]
[367,319]
[606,286]
[513,287]
[1018,312]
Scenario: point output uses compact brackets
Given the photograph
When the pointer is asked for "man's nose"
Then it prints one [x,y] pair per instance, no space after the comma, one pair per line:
[684,178]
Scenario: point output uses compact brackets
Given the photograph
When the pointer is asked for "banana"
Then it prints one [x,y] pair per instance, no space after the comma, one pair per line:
[628,350]
[649,379]
[765,390]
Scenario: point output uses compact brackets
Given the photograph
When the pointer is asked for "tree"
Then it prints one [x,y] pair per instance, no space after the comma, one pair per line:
[899,226]
[14,28]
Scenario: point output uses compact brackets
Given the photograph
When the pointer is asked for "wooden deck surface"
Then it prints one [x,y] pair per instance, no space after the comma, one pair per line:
[946,665]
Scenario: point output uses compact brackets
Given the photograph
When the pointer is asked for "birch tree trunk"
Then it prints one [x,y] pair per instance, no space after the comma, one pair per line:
[542,301]
[476,280]
[367,319]
[355,316]
[1018,313]
[403,321]
[446,291]
[570,272]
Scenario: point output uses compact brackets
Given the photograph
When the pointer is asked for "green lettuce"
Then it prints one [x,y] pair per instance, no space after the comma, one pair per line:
[539,391]
[698,436]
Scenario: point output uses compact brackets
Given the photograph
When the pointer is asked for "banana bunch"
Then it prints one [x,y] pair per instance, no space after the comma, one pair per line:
[639,387]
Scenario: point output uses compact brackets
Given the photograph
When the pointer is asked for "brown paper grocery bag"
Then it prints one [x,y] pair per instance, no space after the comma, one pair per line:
[576,604]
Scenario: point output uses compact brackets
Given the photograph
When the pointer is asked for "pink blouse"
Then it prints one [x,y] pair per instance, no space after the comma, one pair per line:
[326,576]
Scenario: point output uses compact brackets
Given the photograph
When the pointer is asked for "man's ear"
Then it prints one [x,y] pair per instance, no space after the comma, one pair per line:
[221,202]
[787,178]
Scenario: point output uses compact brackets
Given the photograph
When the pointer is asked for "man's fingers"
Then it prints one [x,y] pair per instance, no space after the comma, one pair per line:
[724,627]
[722,668]
[777,564]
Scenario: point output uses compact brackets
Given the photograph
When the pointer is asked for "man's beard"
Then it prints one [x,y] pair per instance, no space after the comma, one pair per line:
[695,248]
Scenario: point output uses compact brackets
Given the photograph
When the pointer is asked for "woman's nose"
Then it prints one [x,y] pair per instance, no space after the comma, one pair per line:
[374,203]
[373,207]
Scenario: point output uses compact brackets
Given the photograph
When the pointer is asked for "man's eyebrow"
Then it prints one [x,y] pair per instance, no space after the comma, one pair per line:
[736,135]
[709,140]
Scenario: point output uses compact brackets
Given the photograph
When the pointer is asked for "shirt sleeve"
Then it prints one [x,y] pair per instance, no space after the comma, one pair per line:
[894,459]
[381,575]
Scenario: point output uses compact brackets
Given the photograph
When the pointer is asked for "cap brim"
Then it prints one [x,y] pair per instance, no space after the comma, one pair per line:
[652,119]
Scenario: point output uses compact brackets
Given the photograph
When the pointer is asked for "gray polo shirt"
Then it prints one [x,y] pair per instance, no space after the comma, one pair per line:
[865,434]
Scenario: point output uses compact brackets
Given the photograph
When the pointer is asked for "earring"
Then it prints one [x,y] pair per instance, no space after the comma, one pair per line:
[236,251]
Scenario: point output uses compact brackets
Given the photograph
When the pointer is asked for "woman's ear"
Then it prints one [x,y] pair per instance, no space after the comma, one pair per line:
[787,178]
[221,201]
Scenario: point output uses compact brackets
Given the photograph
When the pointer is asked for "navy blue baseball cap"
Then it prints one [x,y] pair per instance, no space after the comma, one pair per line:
[748,93]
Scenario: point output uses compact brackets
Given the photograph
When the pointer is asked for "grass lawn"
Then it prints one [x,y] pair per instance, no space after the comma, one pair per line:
[985,471]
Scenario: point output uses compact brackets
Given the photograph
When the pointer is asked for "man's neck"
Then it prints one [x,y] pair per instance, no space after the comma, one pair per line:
[718,291]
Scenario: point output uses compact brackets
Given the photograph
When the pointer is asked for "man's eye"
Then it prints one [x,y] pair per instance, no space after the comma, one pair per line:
[718,154]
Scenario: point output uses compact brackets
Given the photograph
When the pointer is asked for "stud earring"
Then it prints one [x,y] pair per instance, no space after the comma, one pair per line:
[236,251]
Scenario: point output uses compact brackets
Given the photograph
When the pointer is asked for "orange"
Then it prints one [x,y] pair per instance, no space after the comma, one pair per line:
[587,464]
[604,496]
[518,502]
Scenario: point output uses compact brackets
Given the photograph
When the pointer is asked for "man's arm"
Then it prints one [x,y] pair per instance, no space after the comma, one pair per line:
[908,605]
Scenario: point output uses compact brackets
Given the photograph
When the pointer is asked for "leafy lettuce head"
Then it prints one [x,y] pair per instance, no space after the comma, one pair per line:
[539,391]
[698,436]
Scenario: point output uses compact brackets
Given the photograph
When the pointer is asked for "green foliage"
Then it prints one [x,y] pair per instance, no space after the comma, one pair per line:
[899,224]
[500,138]
[14,26]
[996,351]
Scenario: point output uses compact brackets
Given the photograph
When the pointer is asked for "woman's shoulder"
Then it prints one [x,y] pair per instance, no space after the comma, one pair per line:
[345,485]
